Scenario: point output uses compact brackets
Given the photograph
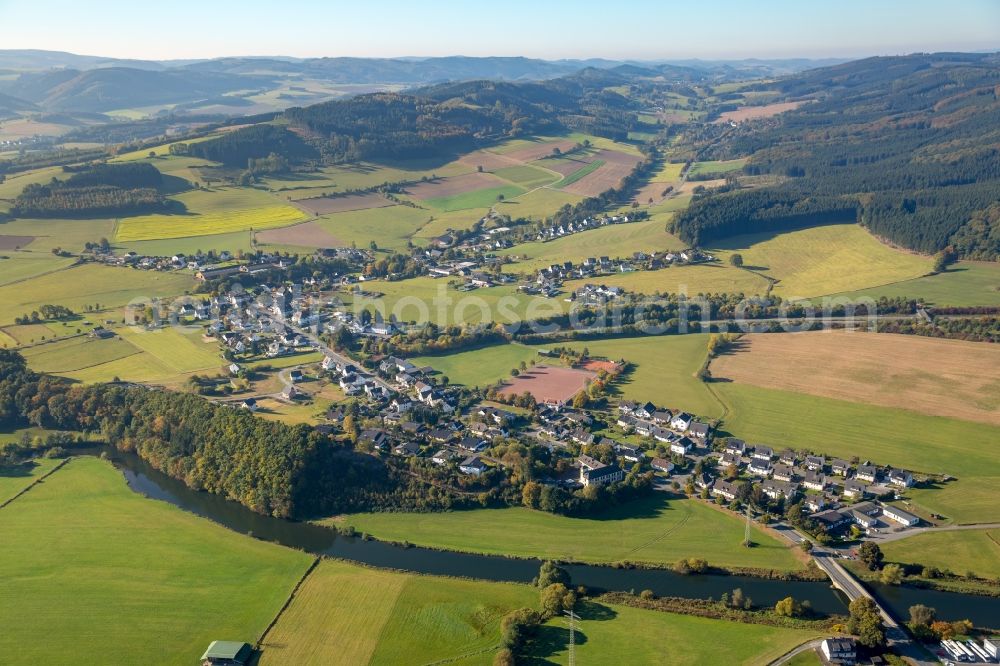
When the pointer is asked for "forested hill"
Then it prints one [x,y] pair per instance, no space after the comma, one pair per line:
[909,145]
[439,120]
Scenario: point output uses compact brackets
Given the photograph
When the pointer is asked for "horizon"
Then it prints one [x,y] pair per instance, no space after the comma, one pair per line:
[667,31]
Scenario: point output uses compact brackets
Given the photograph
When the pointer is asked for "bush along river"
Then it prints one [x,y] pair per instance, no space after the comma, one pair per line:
[319,540]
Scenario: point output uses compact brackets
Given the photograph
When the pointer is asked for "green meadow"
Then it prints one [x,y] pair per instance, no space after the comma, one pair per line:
[15,478]
[481,367]
[474,199]
[964,284]
[690,279]
[960,551]
[94,573]
[823,260]
[716,166]
[538,204]
[88,284]
[652,530]
[527,176]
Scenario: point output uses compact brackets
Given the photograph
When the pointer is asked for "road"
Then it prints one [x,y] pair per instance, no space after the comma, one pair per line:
[811,645]
[339,358]
[913,531]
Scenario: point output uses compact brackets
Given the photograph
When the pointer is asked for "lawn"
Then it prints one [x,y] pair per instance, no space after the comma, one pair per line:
[580,173]
[824,260]
[689,279]
[15,478]
[89,284]
[94,573]
[347,614]
[912,440]
[474,199]
[609,634]
[653,530]
[612,241]
[964,284]
[961,551]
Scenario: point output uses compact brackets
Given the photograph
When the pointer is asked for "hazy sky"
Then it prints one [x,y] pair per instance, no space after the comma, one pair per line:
[639,29]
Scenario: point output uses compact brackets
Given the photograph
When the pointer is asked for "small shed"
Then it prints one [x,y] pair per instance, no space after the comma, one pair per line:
[227,653]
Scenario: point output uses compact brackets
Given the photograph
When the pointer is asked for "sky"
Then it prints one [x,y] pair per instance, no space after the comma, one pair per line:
[552,29]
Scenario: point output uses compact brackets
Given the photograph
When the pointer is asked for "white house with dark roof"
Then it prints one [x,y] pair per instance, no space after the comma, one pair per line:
[594,472]
[680,421]
[867,473]
[899,515]
[761,452]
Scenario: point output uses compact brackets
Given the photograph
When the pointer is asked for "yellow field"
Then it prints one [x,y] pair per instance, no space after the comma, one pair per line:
[689,279]
[152,227]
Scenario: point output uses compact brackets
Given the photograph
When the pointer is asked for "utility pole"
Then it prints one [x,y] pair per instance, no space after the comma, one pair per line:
[746,531]
[572,635]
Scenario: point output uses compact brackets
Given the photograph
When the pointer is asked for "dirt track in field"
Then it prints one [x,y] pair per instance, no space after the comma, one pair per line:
[549,384]
[531,153]
[950,378]
[324,205]
[309,234]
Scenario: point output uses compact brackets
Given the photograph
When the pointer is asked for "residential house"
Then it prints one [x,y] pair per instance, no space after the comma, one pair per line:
[778,489]
[788,457]
[725,489]
[832,519]
[736,446]
[759,467]
[815,463]
[814,481]
[900,478]
[761,452]
[472,465]
[681,446]
[840,651]
[899,515]
[474,444]
[867,473]
[702,481]
[378,439]
[840,467]
[731,459]
[295,376]
[681,421]
[249,403]
[699,430]
[855,489]
[593,471]
[814,502]
[630,453]
[783,473]
[863,519]
[662,465]
[406,449]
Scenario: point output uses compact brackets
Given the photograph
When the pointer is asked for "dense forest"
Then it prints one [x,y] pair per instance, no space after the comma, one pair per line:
[435,121]
[909,145]
[99,189]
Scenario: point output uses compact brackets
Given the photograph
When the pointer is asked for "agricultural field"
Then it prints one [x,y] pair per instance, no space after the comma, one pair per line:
[959,551]
[179,351]
[361,175]
[576,175]
[962,382]
[755,112]
[549,383]
[325,205]
[653,530]
[688,279]
[897,437]
[85,551]
[668,175]
[537,204]
[823,260]
[51,233]
[624,635]
[474,199]
[348,614]
[15,478]
[590,181]
[526,176]
[389,227]
[88,284]
[619,240]
[965,284]
[232,242]
[210,212]
[716,166]
[438,223]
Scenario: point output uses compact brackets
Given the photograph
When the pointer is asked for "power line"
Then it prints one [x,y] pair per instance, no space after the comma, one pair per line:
[572,635]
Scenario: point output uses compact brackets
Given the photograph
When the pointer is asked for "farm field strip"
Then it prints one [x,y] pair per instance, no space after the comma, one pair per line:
[158,226]
[964,284]
[579,173]
[963,381]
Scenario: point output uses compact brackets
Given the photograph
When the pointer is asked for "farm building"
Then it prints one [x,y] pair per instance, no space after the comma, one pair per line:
[227,653]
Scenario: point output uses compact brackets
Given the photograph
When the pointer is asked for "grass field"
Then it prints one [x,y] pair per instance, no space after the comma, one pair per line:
[690,279]
[438,223]
[179,351]
[233,242]
[538,204]
[480,367]
[76,354]
[962,382]
[906,439]
[717,166]
[610,634]
[475,199]
[824,260]
[25,265]
[346,614]
[580,173]
[611,241]
[652,530]
[94,573]
[14,479]
[807,658]
[66,234]
[964,284]
[961,551]
[389,227]
[88,284]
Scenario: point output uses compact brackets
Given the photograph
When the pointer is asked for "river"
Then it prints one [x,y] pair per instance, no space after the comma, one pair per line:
[142,478]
